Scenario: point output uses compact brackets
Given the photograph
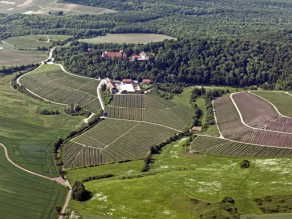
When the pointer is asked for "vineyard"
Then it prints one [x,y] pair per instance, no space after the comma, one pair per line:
[281,100]
[125,113]
[263,137]
[255,111]
[152,101]
[88,156]
[228,118]
[183,112]
[130,100]
[104,133]
[232,148]
[70,152]
[135,143]
[57,86]
[165,117]
[281,125]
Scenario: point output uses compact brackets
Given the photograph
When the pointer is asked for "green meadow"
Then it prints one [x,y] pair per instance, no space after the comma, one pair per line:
[27,133]
[24,195]
[180,184]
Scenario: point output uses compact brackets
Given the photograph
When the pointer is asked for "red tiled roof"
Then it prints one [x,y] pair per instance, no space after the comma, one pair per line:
[146,80]
[127,80]
[136,57]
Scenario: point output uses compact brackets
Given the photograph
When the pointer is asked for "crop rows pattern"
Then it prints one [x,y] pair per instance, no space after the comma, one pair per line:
[263,137]
[89,156]
[71,150]
[255,111]
[60,87]
[228,118]
[125,113]
[165,117]
[136,142]
[152,101]
[183,112]
[281,100]
[231,148]
[128,100]
[104,133]
[282,125]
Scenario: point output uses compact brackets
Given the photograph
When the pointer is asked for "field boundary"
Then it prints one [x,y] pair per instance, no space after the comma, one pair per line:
[242,121]
[217,125]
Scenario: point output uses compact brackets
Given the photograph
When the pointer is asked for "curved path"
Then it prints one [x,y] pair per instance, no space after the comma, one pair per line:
[58,179]
[217,125]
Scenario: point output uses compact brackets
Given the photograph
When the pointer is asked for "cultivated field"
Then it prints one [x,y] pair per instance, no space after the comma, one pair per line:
[281,100]
[58,86]
[130,100]
[125,113]
[152,101]
[281,125]
[24,195]
[20,57]
[255,111]
[268,138]
[128,38]
[228,118]
[31,42]
[231,148]
[46,6]
[27,133]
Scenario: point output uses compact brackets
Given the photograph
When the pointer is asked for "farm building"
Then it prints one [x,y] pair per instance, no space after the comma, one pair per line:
[124,86]
[146,81]
[140,58]
[111,86]
[119,55]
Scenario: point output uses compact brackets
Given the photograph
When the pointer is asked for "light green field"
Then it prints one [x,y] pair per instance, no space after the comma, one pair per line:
[46,6]
[281,100]
[24,195]
[128,38]
[21,57]
[27,133]
[31,42]
[169,193]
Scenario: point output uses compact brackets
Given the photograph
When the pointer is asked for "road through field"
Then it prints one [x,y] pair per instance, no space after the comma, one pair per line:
[58,179]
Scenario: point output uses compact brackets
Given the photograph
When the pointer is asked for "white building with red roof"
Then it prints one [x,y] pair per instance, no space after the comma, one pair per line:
[120,55]
[140,58]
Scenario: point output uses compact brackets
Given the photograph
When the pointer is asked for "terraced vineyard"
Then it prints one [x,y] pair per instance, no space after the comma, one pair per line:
[71,150]
[255,111]
[281,125]
[268,138]
[281,100]
[136,142]
[104,133]
[228,118]
[233,148]
[128,100]
[125,113]
[152,101]
[58,86]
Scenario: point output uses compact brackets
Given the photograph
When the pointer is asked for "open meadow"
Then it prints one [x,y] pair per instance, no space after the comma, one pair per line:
[181,182]
[46,6]
[128,38]
[27,133]
[32,42]
[24,195]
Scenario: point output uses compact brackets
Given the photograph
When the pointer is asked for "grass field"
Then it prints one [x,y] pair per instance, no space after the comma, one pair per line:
[58,86]
[281,100]
[20,57]
[27,133]
[24,195]
[128,38]
[31,42]
[175,187]
[46,6]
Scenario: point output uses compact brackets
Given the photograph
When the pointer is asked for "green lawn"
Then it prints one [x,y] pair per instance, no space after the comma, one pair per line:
[281,100]
[128,38]
[24,195]
[27,133]
[172,190]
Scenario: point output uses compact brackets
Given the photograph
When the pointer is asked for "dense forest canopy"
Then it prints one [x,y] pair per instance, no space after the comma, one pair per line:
[215,61]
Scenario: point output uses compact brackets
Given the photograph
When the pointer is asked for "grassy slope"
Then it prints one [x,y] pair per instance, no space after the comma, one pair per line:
[27,133]
[127,38]
[21,57]
[24,195]
[167,193]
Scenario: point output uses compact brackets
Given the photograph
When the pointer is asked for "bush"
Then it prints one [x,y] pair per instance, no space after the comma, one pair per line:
[79,193]
[244,164]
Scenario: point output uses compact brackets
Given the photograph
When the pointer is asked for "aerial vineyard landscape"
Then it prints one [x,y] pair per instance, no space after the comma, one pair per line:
[124,109]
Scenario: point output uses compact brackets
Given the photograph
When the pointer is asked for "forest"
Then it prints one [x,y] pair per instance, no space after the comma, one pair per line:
[186,61]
